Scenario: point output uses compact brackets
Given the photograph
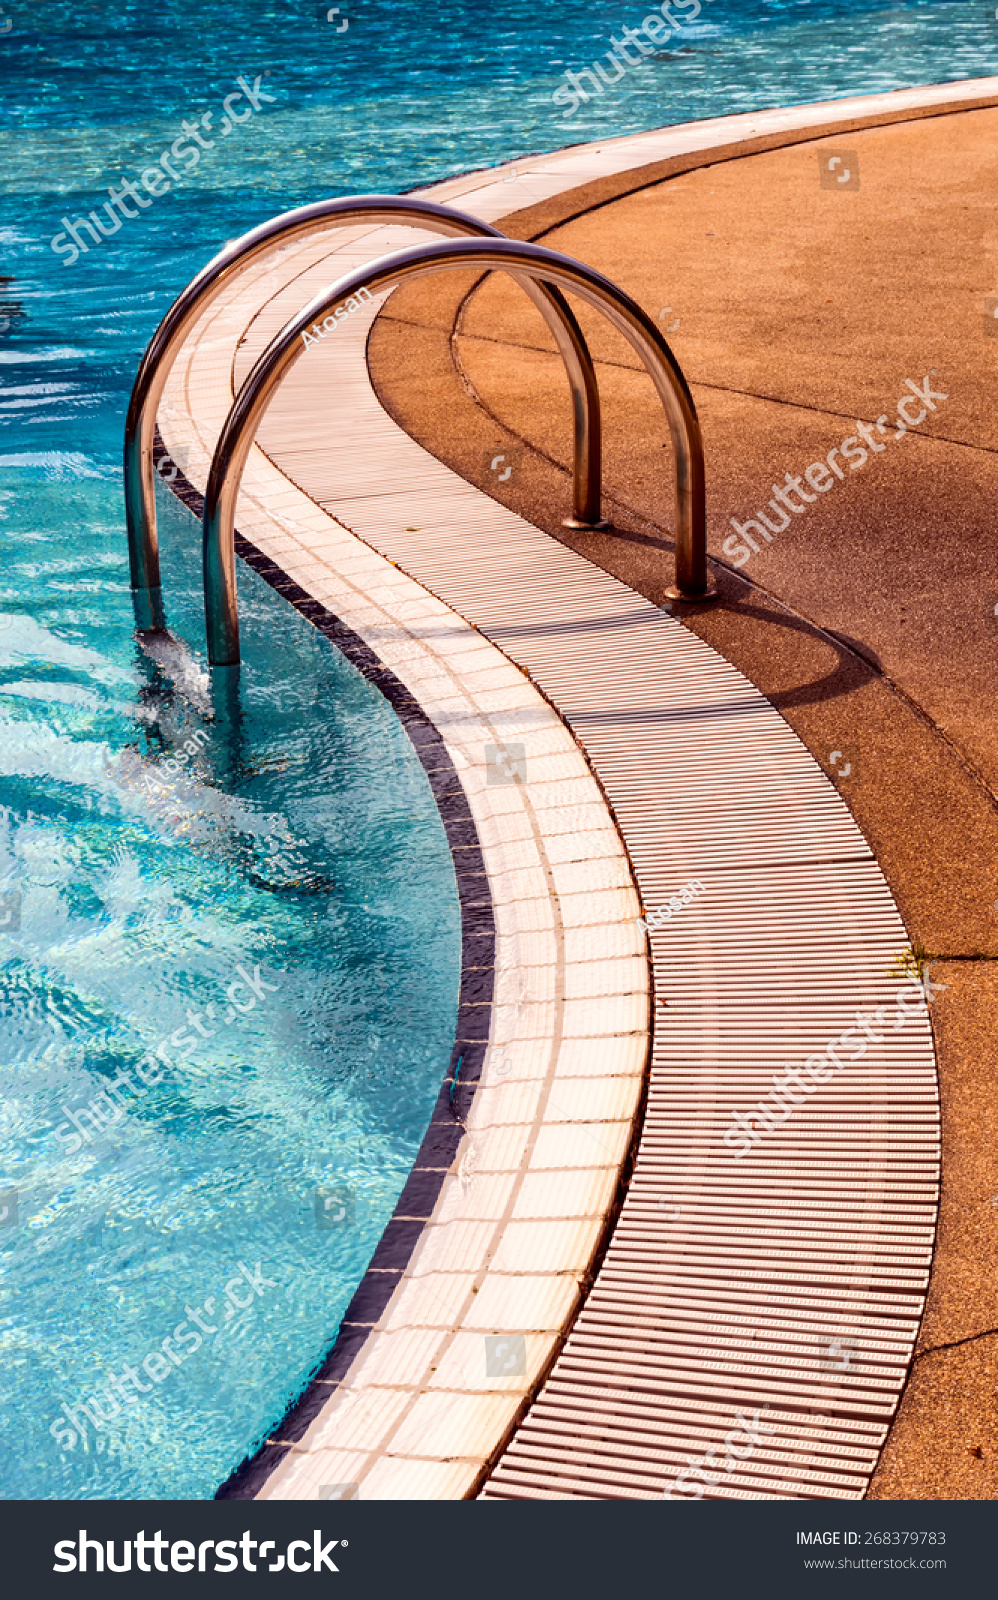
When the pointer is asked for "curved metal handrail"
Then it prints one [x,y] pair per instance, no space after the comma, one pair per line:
[154,368]
[537,261]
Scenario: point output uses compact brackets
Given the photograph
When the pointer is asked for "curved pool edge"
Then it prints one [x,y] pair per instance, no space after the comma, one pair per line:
[479,1205]
[440,1143]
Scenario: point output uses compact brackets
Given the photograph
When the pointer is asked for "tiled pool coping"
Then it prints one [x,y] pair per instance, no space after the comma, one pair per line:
[439,1148]
[515,1186]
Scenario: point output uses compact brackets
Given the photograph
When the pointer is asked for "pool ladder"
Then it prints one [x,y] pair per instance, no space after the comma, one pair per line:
[544,275]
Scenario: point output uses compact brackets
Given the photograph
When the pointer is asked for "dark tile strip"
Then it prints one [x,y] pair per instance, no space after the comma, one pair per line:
[446,1128]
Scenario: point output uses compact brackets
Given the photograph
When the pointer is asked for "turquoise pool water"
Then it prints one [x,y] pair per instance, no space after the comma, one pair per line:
[278,913]
[193,1239]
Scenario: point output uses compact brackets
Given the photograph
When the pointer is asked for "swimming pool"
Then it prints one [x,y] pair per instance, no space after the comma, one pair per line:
[296,878]
[228,998]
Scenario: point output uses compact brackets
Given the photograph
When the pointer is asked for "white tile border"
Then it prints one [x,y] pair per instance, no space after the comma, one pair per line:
[509,1166]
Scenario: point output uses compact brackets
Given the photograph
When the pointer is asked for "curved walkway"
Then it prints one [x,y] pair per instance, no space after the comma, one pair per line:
[868,622]
[494,1242]
[787,1282]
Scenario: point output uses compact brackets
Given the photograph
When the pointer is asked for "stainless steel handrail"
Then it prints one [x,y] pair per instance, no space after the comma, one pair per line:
[154,369]
[531,260]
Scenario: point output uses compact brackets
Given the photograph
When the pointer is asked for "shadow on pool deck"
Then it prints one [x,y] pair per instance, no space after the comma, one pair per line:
[870,622]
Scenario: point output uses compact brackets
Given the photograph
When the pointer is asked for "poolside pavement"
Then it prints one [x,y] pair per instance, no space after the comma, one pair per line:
[195,404]
[870,621]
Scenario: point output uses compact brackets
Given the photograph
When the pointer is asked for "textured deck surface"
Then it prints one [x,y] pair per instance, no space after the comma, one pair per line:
[761,1309]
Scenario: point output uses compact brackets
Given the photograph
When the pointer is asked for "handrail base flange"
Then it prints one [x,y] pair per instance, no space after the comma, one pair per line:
[690,599]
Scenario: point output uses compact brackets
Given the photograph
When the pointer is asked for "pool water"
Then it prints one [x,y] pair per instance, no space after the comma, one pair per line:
[273,906]
[278,911]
